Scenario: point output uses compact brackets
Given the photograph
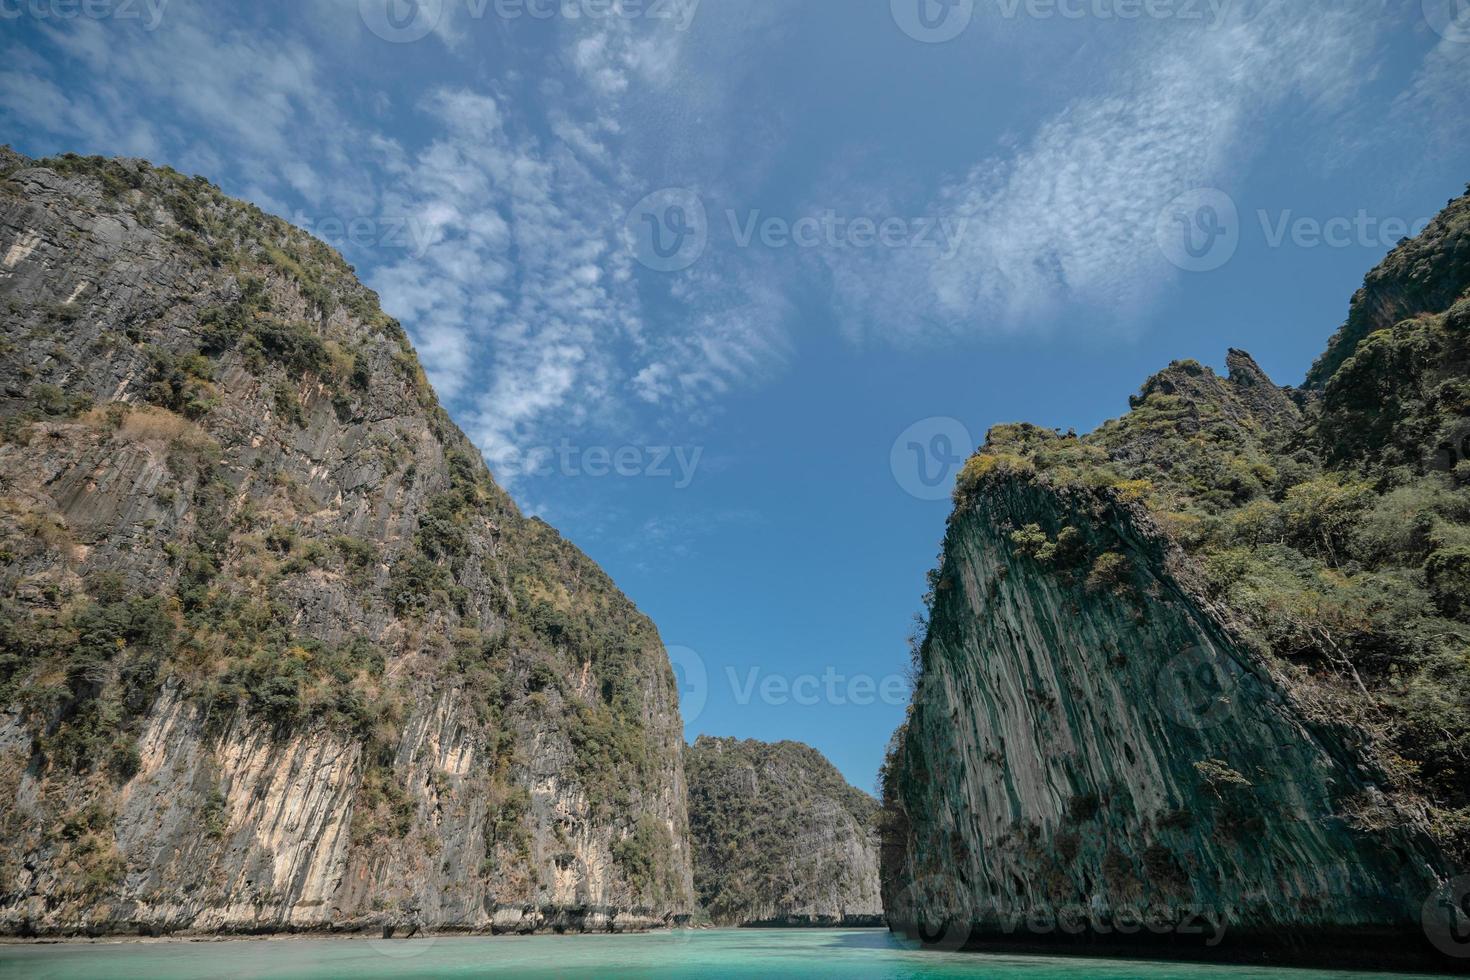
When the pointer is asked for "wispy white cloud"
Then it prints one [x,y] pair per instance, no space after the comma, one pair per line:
[196,92]
[524,302]
[1067,219]
[518,291]
[498,238]
[611,53]
[536,321]
[732,334]
[529,313]
[677,535]
[1435,100]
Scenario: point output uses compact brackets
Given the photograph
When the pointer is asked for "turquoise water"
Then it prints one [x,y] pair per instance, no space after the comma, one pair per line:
[865,954]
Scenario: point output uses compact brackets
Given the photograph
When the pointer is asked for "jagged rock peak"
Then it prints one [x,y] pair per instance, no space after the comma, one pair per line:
[1266,400]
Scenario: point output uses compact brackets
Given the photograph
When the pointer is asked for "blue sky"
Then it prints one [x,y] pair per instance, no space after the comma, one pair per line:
[687,271]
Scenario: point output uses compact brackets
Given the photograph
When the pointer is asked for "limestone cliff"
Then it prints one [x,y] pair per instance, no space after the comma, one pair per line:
[1197,681]
[276,653]
[779,837]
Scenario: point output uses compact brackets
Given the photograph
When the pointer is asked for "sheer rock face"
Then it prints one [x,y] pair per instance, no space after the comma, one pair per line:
[1137,705]
[275,651]
[779,837]
[1077,751]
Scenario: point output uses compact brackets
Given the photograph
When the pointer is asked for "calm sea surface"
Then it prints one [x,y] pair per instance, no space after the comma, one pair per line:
[719,953]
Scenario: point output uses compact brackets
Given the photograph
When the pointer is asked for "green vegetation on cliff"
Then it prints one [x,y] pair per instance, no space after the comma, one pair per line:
[1211,659]
[779,836]
[224,479]
[1328,527]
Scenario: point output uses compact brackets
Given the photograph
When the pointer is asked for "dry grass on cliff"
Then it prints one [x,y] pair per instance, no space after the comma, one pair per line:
[150,424]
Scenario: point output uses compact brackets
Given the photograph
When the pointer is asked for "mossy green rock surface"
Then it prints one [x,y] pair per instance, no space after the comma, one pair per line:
[779,836]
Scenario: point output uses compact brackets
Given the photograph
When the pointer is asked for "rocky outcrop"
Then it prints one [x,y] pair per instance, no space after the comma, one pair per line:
[1423,274]
[276,653]
[1177,677]
[1116,753]
[780,839]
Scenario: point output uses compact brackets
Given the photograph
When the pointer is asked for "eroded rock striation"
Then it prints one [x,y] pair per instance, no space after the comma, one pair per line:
[276,653]
[780,838]
[1197,681]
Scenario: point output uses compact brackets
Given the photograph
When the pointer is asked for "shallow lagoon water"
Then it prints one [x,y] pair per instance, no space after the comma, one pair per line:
[862,954]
